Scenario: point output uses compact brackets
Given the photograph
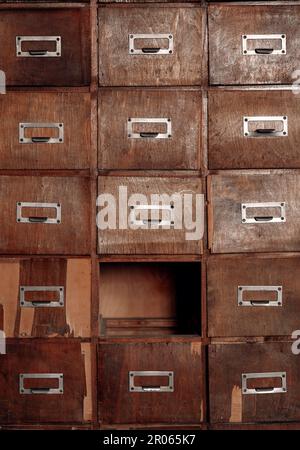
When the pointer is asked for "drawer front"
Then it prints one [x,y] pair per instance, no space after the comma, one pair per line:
[45,46]
[149,129]
[153,215]
[256,44]
[44,382]
[252,296]
[259,130]
[44,215]
[254,212]
[150,383]
[254,383]
[45,130]
[45,297]
[150,46]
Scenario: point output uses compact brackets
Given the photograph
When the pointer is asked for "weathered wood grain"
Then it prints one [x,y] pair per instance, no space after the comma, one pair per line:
[72,68]
[183,67]
[71,236]
[118,405]
[226,318]
[227,362]
[228,23]
[230,149]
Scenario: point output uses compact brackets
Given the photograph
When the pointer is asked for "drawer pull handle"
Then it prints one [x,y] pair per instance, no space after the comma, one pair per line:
[263,218]
[247,51]
[265,130]
[264,390]
[41,53]
[38,140]
[41,390]
[281,218]
[166,388]
[264,51]
[36,219]
[55,303]
[37,52]
[138,209]
[257,303]
[148,135]
[150,50]
[166,121]
[260,132]
[59,139]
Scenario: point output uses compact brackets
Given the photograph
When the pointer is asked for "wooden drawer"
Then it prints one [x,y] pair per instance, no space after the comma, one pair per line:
[45,130]
[45,382]
[126,311]
[147,222]
[253,296]
[269,368]
[254,212]
[154,129]
[151,45]
[128,393]
[45,297]
[260,129]
[44,215]
[58,56]
[269,33]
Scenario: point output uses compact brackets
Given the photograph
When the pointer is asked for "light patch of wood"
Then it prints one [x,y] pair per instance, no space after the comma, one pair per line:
[26,321]
[87,403]
[78,296]
[9,290]
[201,412]
[196,348]
[236,405]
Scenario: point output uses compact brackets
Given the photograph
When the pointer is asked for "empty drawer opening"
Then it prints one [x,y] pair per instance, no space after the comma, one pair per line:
[152,299]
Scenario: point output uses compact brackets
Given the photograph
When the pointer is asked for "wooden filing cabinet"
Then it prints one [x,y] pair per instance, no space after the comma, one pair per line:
[253,44]
[45,46]
[45,130]
[153,129]
[151,45]
[149,382]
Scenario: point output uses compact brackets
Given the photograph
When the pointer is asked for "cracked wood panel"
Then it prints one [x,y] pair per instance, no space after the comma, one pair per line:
[70,320]
[227,363]
[116,150]
[227,318]
[71,236]
[70,109]
[118,405]
[183,67]
[72,68]
[149,241]
[226,194]
[230,149]
[228,23]
[43,357]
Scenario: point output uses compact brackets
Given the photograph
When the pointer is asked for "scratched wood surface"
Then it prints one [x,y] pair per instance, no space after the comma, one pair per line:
[230,149]
[70,109]
[227,318]
[228,23]
[72,68]
[71,236]
[227,363]
[118,405]
[227,233]
[183,67]
[117,150]
[149,241]
[24,356]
